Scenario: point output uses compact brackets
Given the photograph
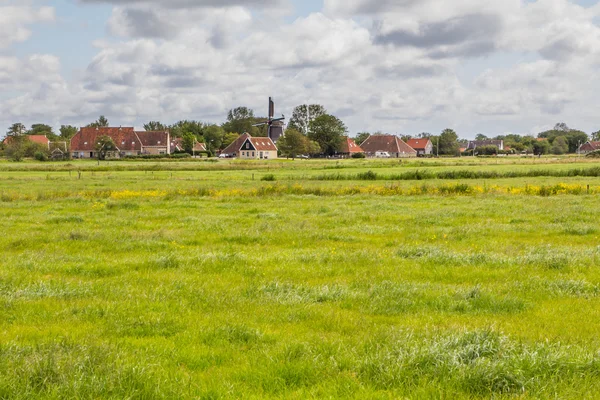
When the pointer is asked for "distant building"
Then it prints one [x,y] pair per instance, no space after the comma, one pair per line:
[391,144]
[258,148]
[349,147]
[39,139]
[474,144]
[177,146]
[233,150]
[588,147]
[127,141]
[424,147]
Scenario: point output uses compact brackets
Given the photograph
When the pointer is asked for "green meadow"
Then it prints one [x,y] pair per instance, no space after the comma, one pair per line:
[473,278]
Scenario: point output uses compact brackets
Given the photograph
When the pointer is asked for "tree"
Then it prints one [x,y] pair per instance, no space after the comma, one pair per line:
[188,142]
[179,129]
[154,126]
[448,143]
[294,143]
[560,146]
[104,146]
[303,115]
[360,138]
[43,129]
[561,127]
[240,120]
[481,136]
[314,148]
[67,132]
[541,147]
[16,129]
[328,131]
[229,138]
[213,136]
[596,136]
[101,122]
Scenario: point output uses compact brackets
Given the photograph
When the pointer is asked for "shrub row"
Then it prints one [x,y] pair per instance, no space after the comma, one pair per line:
[418,175]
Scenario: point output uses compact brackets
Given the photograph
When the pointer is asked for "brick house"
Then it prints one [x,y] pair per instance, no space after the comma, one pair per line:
[424,147]
[233,150]
[390,144]
[126,139]
[259,148]
[588,147]
[349,147]
[39,139]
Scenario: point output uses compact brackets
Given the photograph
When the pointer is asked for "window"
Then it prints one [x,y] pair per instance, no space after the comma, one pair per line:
[85,143]
[252,154]
[247,145]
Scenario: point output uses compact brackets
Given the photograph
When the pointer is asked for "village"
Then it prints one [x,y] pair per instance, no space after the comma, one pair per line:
[124,142]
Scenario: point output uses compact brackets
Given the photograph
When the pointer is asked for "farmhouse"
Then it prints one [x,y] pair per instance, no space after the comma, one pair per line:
[126,139]
[233,150]
[349,147]
[474,144]
[260,148]
[390,144]
[39,139]
[588,147]
[424,147]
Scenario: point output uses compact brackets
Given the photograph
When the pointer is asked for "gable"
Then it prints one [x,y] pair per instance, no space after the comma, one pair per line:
[247,146]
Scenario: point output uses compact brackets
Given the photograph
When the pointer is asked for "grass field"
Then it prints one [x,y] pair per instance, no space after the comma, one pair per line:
[203,280]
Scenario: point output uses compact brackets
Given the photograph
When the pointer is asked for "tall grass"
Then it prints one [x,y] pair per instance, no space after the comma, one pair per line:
[424,174]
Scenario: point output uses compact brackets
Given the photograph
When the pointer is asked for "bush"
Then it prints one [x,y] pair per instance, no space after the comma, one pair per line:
[268,178]
[40,156]
[594,154]
[367,176]
[358,155]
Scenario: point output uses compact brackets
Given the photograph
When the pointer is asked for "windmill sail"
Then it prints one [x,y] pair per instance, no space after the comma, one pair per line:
[271,108]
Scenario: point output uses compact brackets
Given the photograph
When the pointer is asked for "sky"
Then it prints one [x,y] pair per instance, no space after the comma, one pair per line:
[394,66]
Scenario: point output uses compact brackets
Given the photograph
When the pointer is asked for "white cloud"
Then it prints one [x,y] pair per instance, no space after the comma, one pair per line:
[15,22]
[391,65]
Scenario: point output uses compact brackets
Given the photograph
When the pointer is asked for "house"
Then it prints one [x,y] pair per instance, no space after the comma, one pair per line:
[154,142]
[259,148]
[177,146]
[390,144]
[127,141]
[474,144]
[39,139]
[349,147]
[424,147]
[588,147]
[233,149]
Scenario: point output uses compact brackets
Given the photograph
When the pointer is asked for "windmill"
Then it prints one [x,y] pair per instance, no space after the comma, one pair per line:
[274,125]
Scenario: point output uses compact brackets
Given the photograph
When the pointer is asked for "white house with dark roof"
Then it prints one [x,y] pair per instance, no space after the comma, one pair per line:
[258,148]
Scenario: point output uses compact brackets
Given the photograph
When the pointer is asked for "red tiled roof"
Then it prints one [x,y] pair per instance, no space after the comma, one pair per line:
[387,143]
[593,146]
[262,144]
[177,144]
[125,139]
[418,144]
[349,146]
[153,138]
[41,139]
[236,145]
[200,146]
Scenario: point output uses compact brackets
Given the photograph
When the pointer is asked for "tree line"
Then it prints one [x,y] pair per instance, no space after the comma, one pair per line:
[312,130]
